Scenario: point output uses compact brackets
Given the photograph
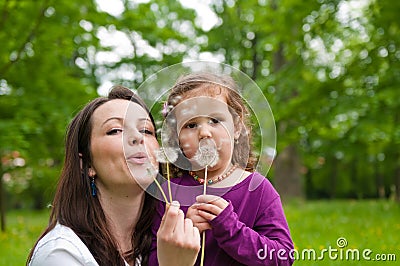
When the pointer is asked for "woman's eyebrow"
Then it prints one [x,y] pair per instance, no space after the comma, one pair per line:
[113,118]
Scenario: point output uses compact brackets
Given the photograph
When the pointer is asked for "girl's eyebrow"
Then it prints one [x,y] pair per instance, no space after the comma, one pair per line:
[217,113]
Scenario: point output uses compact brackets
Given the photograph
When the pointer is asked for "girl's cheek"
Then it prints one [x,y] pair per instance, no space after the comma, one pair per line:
[187,149]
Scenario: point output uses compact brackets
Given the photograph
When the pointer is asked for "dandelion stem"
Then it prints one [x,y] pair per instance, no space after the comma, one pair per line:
[159,187]
[203,241]
[205,181]
[169,183]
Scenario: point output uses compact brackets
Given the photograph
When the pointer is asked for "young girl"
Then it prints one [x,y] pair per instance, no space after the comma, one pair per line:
[244,225]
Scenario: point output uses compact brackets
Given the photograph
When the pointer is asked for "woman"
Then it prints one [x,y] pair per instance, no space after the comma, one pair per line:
[100,214]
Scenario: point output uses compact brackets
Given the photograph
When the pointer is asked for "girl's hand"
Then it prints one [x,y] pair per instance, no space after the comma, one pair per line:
[198,221]
[210,206]
[178,241]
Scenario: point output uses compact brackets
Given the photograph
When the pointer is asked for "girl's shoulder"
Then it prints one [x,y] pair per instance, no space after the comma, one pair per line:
[256,183]
[61,246]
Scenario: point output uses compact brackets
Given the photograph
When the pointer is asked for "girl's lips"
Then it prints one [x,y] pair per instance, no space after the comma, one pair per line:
[138,158]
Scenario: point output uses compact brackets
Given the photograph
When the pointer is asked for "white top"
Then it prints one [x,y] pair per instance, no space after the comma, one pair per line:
[62,247]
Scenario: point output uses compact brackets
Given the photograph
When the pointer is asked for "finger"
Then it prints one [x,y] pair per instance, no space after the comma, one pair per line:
[170,218]
[206,198]
[194,216]
[163,218]
[206,215]
[197,219]
[179,229]
[188,225]
[203,226]
[213,209]
[196,236]
[212,199]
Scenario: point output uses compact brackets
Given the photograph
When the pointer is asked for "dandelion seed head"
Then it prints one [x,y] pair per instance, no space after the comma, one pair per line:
[207,154]
[165,138]
[186,111]
[151,171]
[171,120]
[166,154]
[175,100]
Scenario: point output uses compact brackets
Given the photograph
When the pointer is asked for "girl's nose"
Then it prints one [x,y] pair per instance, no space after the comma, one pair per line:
[204,131]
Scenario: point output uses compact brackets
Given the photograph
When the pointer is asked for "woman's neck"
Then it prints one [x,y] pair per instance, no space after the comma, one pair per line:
[122,211]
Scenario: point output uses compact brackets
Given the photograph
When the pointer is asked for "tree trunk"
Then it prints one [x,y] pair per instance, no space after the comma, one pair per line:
[397,183]
[287,178]
[333,178]
[379,182]
[2,203]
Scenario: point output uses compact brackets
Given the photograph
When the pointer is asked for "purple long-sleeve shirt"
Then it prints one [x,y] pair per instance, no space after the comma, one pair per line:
[252,230]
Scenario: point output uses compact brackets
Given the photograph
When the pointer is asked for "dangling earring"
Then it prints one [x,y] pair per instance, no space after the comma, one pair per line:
[93,186]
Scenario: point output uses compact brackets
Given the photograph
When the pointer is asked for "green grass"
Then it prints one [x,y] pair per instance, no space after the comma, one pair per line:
[22,230]
[314,225]
[373,225]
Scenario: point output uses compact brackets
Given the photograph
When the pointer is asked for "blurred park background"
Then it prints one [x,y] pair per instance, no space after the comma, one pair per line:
[330,70]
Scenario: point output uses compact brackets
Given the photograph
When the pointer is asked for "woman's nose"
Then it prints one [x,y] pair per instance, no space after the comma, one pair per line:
[135,137]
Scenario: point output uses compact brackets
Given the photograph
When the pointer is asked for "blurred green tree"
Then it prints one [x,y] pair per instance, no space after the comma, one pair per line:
[54,55]
[330,70]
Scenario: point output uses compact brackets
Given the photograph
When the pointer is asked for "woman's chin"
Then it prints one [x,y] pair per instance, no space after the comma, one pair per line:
[143,174]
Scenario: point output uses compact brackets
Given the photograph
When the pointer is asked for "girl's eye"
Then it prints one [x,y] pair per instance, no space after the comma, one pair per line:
[190,125]
[114,131]
[214,121]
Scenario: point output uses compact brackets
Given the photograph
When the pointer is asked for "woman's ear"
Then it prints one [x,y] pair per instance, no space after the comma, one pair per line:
[92,172]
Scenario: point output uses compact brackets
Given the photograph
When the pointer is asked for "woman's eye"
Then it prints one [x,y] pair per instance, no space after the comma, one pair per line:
[114,131]
[147,131]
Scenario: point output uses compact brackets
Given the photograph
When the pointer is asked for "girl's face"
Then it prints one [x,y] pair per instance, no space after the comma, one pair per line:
[122,144]
[206,117]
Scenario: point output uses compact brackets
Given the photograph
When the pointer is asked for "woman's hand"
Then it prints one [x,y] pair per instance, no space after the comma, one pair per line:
[178,241]
[209,206]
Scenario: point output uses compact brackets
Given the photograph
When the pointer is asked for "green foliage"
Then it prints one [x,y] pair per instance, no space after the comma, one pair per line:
[330,70]
[49,69]
[331,77]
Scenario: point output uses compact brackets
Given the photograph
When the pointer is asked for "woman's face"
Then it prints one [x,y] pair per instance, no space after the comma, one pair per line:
[122,145]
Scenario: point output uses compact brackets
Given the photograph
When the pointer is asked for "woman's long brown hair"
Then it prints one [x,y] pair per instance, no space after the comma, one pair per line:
[75,207]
